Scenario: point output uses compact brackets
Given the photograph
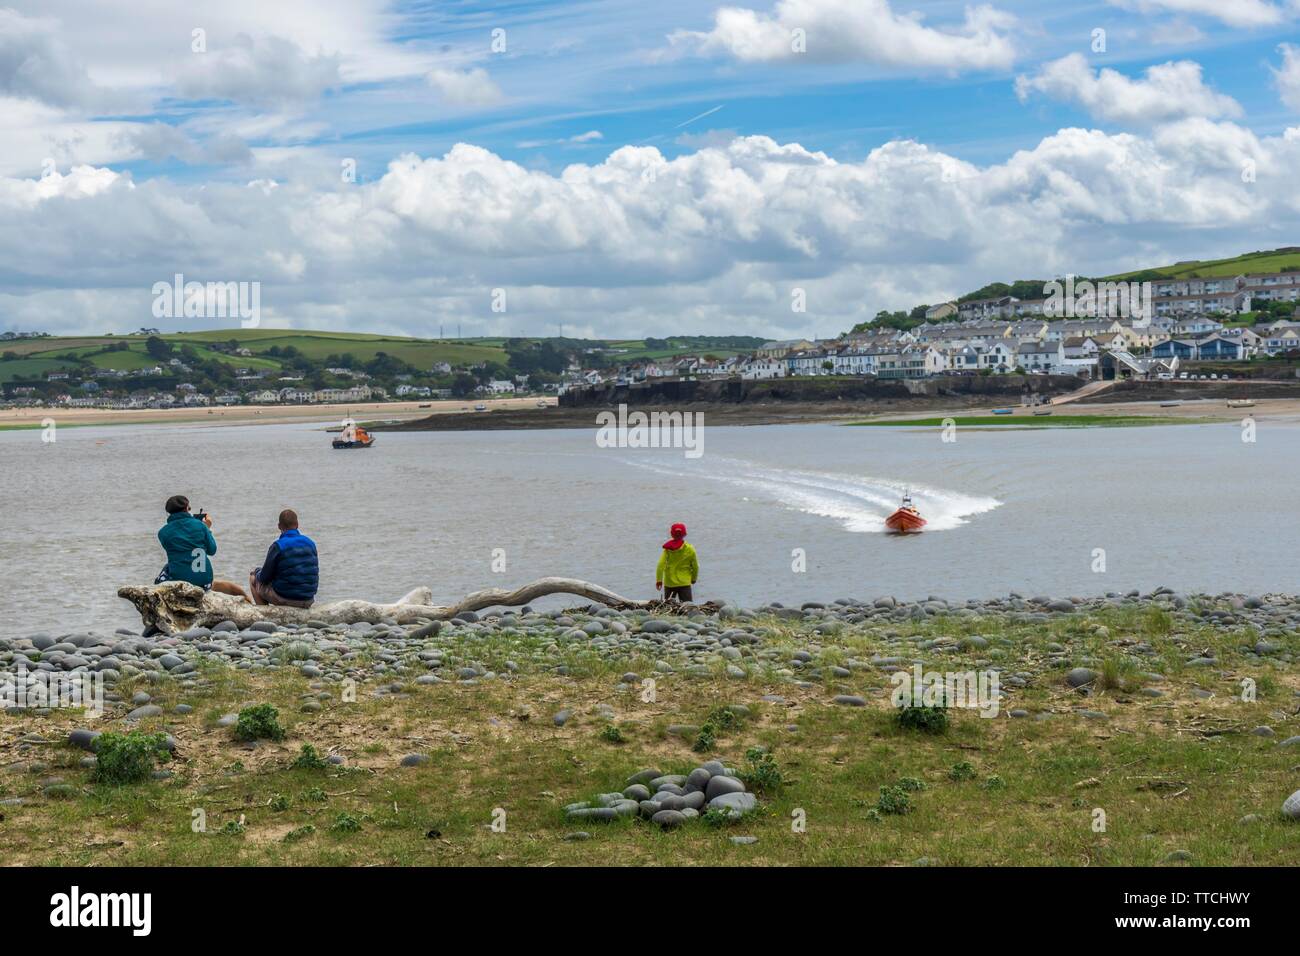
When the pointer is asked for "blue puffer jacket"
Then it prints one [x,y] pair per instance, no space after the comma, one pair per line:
[291,567]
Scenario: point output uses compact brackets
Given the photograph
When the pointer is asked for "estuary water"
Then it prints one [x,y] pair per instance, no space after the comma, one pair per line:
[790,513]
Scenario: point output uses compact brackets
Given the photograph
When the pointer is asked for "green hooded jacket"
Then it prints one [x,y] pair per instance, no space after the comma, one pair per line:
[678,568]
[181,536]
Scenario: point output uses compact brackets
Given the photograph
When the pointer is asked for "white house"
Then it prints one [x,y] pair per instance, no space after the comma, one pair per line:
[762,368]
[1039,356]
[999,356]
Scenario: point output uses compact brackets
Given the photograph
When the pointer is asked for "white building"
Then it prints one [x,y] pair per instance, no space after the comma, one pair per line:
[762,368]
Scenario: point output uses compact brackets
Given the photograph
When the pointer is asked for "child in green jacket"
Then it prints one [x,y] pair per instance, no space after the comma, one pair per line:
[678,568]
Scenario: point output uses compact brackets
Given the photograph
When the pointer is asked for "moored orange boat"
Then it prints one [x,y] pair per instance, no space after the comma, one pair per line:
[906,519]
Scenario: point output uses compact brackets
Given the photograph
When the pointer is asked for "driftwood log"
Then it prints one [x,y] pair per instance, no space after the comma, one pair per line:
[177,606]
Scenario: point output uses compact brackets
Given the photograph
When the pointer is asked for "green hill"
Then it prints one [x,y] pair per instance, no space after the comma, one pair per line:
[269,349]
[1286,259]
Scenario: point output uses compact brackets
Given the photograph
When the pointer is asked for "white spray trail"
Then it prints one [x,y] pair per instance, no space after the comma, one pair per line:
[859,503]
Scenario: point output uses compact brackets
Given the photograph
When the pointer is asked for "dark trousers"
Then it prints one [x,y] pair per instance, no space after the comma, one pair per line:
[682,594]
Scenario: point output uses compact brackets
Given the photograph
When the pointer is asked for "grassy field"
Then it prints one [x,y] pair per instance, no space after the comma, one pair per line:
[29,368]
[39,356]
[1265,261]
[1173,774]
[422,353]
[1027,419]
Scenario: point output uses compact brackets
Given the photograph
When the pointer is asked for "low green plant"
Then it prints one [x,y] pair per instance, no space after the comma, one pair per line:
[294,836]
[128,758]
[345,823]
[912,785]
[723,718]
[994,783]
[611,734]
[762,773]
[309,759]
[280,802]
[315,794]
[705,740]
[926,719]
[961,771]
[233,828]
[717,818]
[719,721]
[260,722]
[893,800]
[295,651]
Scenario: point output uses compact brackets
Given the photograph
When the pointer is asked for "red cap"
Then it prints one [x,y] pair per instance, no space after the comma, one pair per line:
[678,530]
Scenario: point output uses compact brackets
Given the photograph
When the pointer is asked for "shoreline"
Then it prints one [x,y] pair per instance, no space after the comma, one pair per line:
[523,414]
[15,419]
[1211,411]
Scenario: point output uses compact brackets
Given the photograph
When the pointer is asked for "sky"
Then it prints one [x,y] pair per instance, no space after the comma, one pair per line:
[621,168]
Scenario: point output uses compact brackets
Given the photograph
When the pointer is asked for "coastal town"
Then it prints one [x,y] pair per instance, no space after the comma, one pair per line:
[1155,330]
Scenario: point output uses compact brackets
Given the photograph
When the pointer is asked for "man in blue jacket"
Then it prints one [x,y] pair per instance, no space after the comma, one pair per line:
[189,544]
[291,573]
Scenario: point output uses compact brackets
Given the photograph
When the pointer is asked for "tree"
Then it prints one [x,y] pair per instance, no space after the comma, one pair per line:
[157,348]
[463,384]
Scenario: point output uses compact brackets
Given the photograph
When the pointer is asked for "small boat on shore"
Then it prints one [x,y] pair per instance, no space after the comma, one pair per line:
[480,407]
[1241,403]
[353,436]
[1044,411]
[1003,411]
[906,520]
[1170,404]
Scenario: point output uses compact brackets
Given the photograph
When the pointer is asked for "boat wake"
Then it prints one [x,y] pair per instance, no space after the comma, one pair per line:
[859,503]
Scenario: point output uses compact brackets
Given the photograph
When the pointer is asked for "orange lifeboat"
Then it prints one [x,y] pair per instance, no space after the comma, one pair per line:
[906,519]
[353,436]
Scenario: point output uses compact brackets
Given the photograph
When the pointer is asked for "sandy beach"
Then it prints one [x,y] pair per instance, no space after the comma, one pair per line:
[511,413]
[257,414]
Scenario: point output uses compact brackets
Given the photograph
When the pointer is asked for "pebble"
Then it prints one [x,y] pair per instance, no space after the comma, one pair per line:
[1291,806]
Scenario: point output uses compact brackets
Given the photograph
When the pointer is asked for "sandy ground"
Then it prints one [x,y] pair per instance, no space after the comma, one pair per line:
[523,413]
[1265,409]
[258,414]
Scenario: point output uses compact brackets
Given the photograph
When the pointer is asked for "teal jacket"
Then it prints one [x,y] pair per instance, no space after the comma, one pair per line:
[180,537]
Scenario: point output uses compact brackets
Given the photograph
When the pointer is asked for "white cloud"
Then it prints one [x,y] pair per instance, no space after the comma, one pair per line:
[160,141]
[1287,77]
[80,182]
[1235,13]
[36,64]
[714,239]
[267,71]
[472,87]
[867,31]
[1170,91]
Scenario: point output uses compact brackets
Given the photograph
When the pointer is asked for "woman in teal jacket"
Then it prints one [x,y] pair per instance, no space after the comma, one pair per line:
[189,545]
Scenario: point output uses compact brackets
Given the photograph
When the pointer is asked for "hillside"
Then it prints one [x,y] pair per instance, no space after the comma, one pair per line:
[276,349]
[1272,260]
[1286,259]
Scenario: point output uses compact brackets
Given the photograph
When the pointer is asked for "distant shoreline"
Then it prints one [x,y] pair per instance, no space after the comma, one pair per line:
[916,413]
[29,418]
[523,414]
